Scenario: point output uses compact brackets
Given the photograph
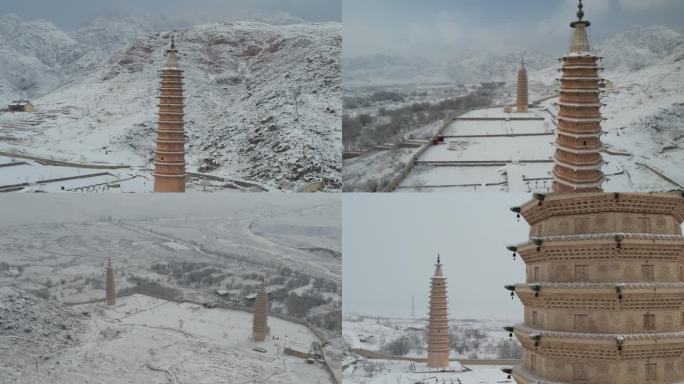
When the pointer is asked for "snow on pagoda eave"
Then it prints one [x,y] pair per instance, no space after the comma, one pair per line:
[543,205]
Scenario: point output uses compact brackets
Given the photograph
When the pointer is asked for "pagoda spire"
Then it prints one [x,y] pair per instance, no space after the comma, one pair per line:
[580,39]
[169,154]
[438,326]
[522,93]
[260,327]
[578,161]
[109,283]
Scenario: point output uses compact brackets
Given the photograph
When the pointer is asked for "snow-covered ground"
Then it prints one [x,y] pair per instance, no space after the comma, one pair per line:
[262,102]
[144,339]
[402,372]
[29,175]
[55,247]
[498,152]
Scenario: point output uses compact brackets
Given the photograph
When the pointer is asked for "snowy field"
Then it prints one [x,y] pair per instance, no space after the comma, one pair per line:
[491,149]
[143,339]
[499,152]
[31,176]
[497,177]
[187,246]
[392,372]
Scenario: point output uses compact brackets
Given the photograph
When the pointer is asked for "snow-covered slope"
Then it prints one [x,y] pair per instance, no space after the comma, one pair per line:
[242,120]
[32,55]
[646,46]
[38,57]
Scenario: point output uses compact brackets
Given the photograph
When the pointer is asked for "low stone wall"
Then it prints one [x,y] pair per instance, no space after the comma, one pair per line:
[46,161]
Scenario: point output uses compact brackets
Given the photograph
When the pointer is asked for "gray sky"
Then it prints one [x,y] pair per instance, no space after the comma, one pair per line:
[438,28]
[70,14]
[390,244]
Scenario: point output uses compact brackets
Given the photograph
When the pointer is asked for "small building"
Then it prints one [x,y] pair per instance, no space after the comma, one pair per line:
[21,106]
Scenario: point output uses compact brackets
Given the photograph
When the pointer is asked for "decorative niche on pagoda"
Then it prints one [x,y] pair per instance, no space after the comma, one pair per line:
[438,326]
[578,145]
[169,154]
[604,296]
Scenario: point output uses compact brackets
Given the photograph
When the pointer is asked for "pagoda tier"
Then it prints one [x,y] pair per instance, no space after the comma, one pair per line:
[578,158]
[438,327]
[604,297]
[521,100]
[260,327]
[169,154]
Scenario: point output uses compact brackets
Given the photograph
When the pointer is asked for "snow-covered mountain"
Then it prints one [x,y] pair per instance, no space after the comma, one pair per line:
[104,35]
[468,67]
[37,57]
[263,101]
[387,69]
[640,47]
[646,46]
[32,56]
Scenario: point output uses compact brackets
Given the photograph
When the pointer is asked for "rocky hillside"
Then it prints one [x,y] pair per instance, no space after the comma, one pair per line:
[33,330]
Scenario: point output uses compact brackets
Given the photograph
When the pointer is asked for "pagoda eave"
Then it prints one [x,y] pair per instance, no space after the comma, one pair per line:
[175,175]
[577,167]
[580,119]
[580,135]
[574,151]
[579,185]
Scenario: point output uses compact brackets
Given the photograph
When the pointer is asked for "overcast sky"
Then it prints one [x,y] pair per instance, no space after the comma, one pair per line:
[71,14]
[438,28]
[390,244]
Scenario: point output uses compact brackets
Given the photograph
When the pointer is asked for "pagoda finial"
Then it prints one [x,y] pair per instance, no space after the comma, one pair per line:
[438,259]
[580,12]
[173,42]
[109,261]
[522,61]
